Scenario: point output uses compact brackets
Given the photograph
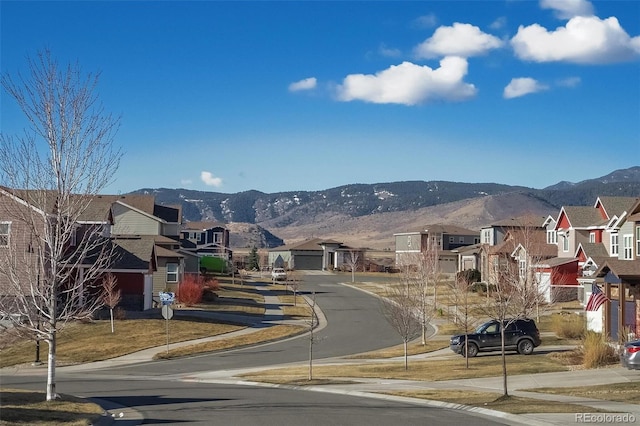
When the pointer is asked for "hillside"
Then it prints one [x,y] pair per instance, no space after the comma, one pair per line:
[369,214]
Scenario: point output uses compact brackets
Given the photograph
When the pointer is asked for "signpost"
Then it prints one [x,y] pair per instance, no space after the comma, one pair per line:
[167,299]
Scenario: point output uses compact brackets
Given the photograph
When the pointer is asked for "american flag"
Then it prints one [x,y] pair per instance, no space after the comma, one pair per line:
[596,299]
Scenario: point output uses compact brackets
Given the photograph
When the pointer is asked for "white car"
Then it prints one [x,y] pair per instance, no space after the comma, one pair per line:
[278,274]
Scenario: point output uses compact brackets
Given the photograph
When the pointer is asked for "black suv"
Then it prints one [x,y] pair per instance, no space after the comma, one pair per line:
[521,335]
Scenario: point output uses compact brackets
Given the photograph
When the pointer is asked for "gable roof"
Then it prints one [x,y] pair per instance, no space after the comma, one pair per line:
[580,217]
[596,251]
[615,206]
[624,269]
[440,228]
[311,244]
[202,225]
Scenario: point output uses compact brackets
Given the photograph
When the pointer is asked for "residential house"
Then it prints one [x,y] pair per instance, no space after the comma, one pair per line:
[522,248]
[200,239]
[590,241]
[619,275]
[142,235]
[313,254]
[443,239]
[494,235]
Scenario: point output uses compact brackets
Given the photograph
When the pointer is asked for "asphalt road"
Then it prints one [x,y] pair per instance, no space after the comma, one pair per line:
[161,392]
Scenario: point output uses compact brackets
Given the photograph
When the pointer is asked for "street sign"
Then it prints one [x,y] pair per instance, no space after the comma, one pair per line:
[167,312]
[167,297]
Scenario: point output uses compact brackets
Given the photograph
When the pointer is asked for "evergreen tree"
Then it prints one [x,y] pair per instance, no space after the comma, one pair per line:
[254,262]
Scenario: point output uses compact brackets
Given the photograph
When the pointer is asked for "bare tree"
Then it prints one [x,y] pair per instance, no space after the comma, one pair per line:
[111,295]
[294,281]
[400,306]
[51,173]
[352,261]
[459,293]
[518,293]
[313,323]
[421,269]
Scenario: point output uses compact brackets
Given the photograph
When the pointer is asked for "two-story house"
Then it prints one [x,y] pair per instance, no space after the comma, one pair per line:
[441,238]
[619,274]
[199,239]
[587,239]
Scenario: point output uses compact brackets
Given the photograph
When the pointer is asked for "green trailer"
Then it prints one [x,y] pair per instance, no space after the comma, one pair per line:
[212,264]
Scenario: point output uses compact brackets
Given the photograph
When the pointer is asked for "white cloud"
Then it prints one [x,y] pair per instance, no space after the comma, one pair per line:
[425,21]
[210,180]
[305,84]
[584,40]
[499,23]
[389,52]
[410,84]
[567,9]
[522,86]
[463,40]
[569,82]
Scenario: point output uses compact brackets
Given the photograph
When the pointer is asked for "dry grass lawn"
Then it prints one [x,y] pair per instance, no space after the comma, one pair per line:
[20,407]
[425,370]
[621,392]
[414,348]
[262,336]
[495,401]
[93,341]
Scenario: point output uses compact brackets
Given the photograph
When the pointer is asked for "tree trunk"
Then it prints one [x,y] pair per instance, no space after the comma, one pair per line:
[406,357]
[51,367]
[111,313]
[504,363]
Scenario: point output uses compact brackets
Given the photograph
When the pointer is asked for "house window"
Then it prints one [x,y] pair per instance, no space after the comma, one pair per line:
[522,267]
[486,236]
[476,240]
[461,240]
[217,237]
[452,239]
[627,247]
[172,272]
[592,237]
[565,243]
[5,229]
[552,237]
[637,240]
[613,247]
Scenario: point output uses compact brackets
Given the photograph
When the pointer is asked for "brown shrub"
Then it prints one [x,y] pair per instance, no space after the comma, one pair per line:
[190,290]
[119,314]
[568,325]
[597,351]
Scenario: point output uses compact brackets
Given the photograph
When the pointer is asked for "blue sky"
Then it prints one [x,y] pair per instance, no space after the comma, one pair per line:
[287,96]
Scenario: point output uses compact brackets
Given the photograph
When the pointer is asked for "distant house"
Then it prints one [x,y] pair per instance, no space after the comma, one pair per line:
[200,239]
[444,238]
[314,254]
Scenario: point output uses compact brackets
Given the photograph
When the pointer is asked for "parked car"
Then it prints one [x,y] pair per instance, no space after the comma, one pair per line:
[521,335]
[278,274]
[630,356]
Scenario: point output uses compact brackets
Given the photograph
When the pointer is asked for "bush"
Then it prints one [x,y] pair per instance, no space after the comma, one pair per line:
[568,325]
[212,284]
[119,313]
[190,290]
[597,352]
[481,287]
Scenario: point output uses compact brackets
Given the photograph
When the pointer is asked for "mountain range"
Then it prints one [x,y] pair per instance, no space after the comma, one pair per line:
[367,215]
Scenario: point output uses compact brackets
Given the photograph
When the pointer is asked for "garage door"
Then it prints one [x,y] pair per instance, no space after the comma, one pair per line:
[302,262]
